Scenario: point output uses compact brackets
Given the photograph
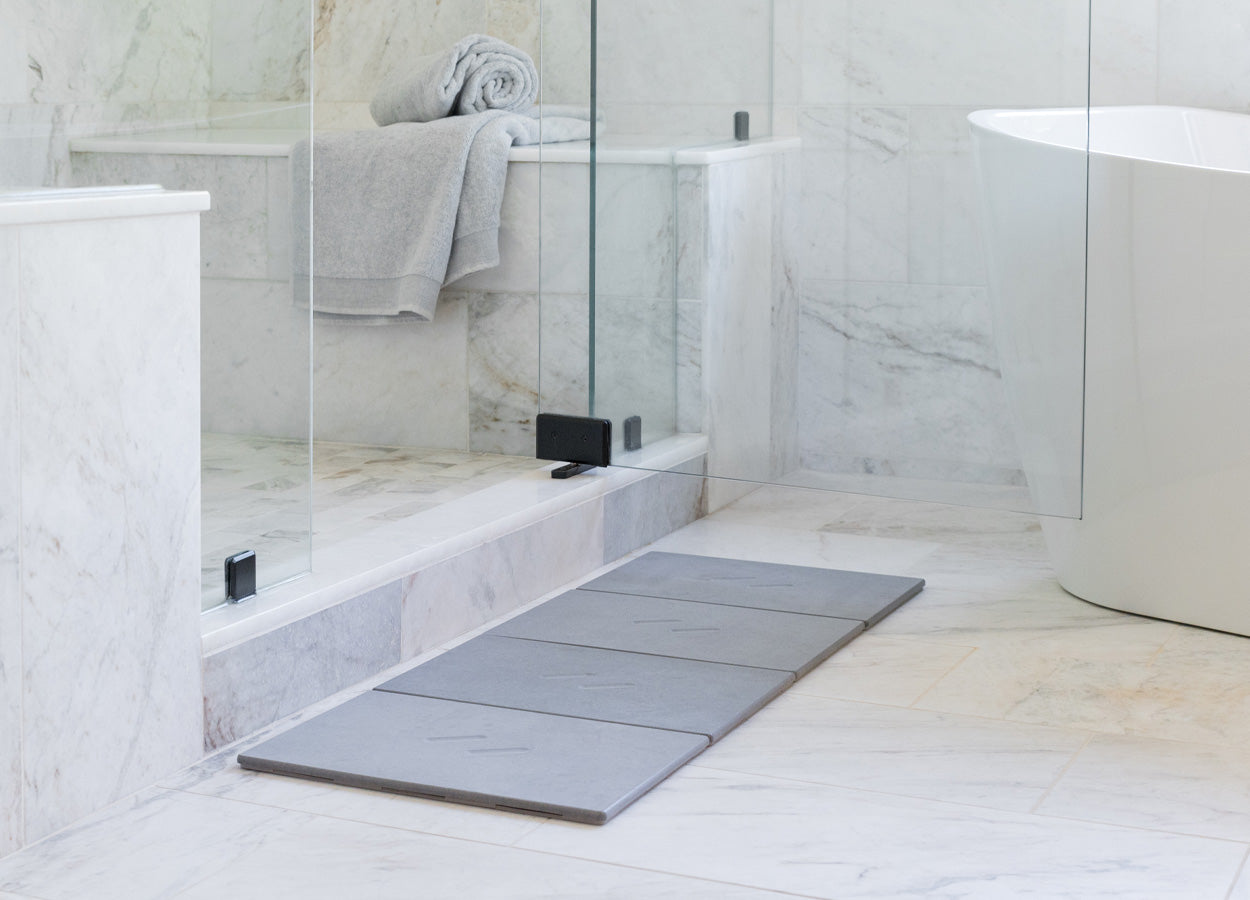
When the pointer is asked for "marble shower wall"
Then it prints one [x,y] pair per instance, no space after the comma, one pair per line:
[898,373]
[69,69]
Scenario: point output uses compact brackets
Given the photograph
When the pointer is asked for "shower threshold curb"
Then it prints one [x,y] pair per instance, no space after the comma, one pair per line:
[388,596]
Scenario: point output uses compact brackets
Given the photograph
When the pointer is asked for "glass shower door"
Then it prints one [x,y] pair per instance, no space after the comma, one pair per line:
[819,304]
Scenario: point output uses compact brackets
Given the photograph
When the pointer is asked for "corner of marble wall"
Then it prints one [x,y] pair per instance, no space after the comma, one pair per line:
[258,682]
[444,600]
[11,833]
[651,507]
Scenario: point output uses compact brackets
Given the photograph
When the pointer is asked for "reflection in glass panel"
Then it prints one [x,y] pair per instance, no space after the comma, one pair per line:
[826,288]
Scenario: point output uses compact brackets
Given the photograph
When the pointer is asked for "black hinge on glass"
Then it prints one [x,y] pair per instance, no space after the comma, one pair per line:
[241,576]
[584,443]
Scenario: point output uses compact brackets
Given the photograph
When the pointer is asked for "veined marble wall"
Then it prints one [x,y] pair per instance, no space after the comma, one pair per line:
[69,68]
[99,510]
[898,373]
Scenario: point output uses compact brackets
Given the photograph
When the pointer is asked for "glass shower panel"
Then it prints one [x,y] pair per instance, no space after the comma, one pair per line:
[839,314]
[196,95]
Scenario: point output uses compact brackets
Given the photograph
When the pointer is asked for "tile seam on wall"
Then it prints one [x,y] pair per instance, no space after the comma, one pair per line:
[21,575]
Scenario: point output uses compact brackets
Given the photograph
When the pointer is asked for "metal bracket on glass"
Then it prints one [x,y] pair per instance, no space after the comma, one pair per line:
[584,443]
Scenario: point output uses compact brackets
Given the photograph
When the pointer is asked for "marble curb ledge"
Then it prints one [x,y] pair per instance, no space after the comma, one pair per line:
[254,681]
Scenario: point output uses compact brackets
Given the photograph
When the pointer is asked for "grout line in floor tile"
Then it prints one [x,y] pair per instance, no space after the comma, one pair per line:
[492,844]
[1062,772]
[1237,877]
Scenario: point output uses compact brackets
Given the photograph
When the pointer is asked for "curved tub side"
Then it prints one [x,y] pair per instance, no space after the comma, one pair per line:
[1166,454]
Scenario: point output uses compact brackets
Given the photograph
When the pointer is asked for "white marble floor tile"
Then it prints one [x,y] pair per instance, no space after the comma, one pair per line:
[153,845]
[840,843]
[712,537]
[886,670]
[489,826]
[915,753]
[1241,890]
[172,844]
[1162,785]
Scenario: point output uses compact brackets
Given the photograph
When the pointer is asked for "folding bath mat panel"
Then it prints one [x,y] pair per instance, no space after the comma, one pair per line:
[581,705]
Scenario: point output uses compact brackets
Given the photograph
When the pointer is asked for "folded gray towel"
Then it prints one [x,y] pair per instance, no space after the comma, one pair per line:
[479,73]
[400,211]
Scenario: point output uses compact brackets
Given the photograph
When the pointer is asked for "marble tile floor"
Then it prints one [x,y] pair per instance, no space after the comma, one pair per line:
[256,496]
[995,737]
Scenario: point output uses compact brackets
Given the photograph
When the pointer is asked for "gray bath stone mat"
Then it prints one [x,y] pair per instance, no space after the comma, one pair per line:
[577,769]
[763,639]
[608,685]
[581,705]
[739,582]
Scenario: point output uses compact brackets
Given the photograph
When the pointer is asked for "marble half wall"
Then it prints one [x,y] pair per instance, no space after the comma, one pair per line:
[99,510]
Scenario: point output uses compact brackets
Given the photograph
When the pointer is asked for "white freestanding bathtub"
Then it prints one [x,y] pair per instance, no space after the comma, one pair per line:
[1165,506]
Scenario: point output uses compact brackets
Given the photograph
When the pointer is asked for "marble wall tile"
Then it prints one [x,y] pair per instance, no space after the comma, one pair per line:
[234,235]
[699,51]
[691,233]
[824,53]
[254,364]
[635,242]
[130,51]
[278,218]
[518,22]
[13,56]
[825,191]
[635,363]
[877,194]
[1202,58]
[1124,52]
[900,372]
[653,507]
[449,598]
[520,236]
[358,45]
[737,349]
[503,372]
[564,75]
[413,374]
[252,684]
[944,230]
[690,399]
[10,528]
[110,531]
[564,251]
[564,351]
[788,25]
[784,328]
[969,52]
[260,51]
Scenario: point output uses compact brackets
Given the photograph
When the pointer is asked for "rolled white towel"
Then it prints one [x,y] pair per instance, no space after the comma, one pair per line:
[479,73]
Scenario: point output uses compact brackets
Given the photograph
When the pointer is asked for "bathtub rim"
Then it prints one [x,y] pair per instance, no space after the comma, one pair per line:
[986,120]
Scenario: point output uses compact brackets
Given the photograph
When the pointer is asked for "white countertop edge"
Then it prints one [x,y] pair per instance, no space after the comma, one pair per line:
[54,205]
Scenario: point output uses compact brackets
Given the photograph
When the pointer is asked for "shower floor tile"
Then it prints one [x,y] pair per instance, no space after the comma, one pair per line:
[739,582]
[763,639]
[577,769]
[256,496]
[607,685]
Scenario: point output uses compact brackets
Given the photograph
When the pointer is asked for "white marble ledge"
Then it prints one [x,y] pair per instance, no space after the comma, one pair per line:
[41,206]
[383,555]
[611,149]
